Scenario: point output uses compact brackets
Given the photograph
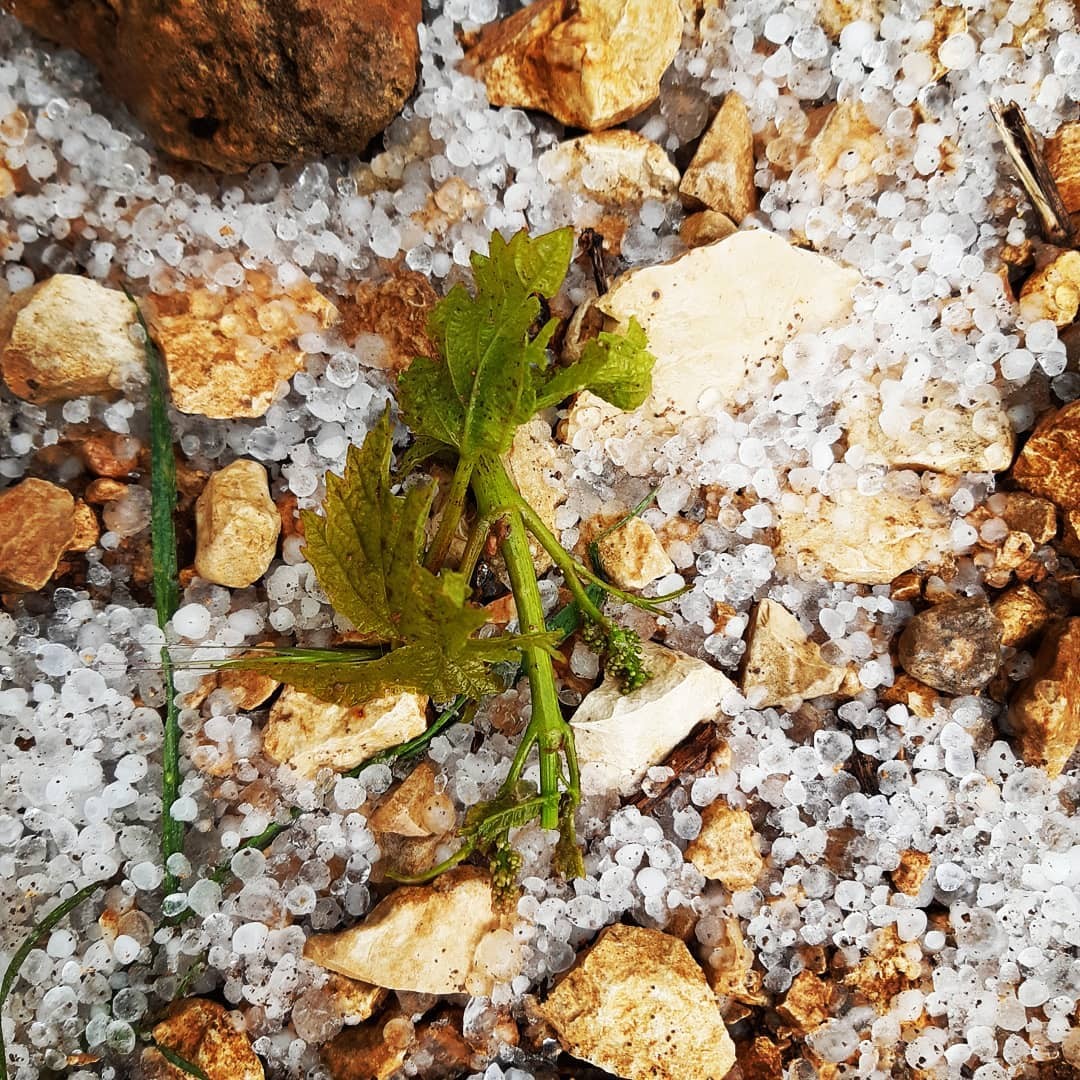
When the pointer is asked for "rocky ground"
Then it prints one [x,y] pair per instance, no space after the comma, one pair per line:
[835,836]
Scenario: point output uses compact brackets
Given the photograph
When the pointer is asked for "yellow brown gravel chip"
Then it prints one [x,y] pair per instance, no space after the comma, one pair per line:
[37,525]
[207,1035]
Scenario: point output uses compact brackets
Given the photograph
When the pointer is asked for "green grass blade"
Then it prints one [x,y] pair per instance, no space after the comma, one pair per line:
[37,932]
[181,1063]
[166,584]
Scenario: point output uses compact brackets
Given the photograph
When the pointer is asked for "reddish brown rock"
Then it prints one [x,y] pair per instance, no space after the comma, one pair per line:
[1045,712]
[37,525]
[806,1004]
[396,310]
[230,85]
[909,876]
[208,1036]
[1049,464]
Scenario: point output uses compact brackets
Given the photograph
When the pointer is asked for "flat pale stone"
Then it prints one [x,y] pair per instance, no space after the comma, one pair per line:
[632,555]
[867,539]
[721,174]
[37,525]
[308,734]
[236,526]
[704,355]
[535,464]
[932,431]
[725,850]
[589,63]
[620,736]
[617,167]
[68,337]
[407,810]
[782,661]
[421,938]
[639,1007]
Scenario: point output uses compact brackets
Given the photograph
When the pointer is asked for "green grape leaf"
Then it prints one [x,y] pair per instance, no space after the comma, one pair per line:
[367,553]
[615,367]
[484,388]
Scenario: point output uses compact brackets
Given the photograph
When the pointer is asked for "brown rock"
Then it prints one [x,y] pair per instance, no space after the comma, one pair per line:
[310,734]
[1054,291]
[726,850]
[806,1004]
[639,1007]
[231,85]
[909,876]
[760,1059]
[632,555]
[848,129]
[1062,153]
[1022,614]
[782,662]
[1070,533]
[67,337]
[1049,464]
[107,453]
[1027,513]
[365,1052]
[721,174]
[395,310]
[236,526]
[1045,712]
[226,351]
[705,227]
[589,63]
[37,525]
[422,938]
[104,490]
[354,1001]
[207,1035]
[892,967]
[87,530]
[954,646]
[248,689]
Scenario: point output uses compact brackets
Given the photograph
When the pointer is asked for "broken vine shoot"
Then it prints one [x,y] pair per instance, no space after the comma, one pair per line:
[494,373]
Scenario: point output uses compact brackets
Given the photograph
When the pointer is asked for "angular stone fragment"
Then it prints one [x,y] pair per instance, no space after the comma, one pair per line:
[68,337]
[236,526]
[308,734]
[726,850]
[207,1035]
[1028,513]
[365,1052]
[396,311]
[868,539]
[892,967]
[954,647]
[730,966]
[918,697]
[248,689]
[806,1004]
[421,938]
[1044,712]
[87,531]
[353,1001]
[704,358]
[1054,291]
[618,168]
[909,876]
[846,131]
[1062,153]
[227,350]
[231,85]
[934,431]
[783,662]
[37,525]
[632,555]
[620,736]
[721,174]
[760,1059]
[706,227]
[1049,464]
[414,807]
[1022,614]
[536,465]
[639,1007]
[589,63]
